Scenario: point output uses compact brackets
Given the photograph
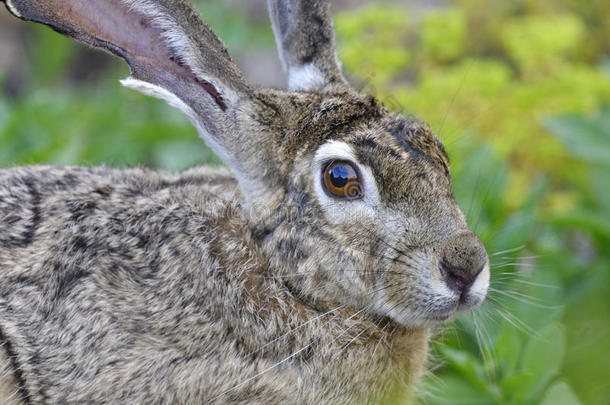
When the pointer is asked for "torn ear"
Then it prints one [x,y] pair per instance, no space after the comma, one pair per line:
[118,28]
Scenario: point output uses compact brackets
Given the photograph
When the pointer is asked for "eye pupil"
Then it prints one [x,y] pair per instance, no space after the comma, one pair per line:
[339,176]
[341,180]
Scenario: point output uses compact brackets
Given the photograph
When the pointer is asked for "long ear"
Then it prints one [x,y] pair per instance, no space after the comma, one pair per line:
[306,43]
[172,53]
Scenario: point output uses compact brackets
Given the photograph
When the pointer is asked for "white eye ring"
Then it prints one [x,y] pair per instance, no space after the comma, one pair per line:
[341,210]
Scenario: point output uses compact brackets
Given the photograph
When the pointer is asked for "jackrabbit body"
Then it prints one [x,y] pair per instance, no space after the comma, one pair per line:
[309,274]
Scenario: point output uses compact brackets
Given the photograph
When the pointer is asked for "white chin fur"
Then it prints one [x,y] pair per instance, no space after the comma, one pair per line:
[442,294]
[306,77]
[478,291]
[12,8]
[481,284]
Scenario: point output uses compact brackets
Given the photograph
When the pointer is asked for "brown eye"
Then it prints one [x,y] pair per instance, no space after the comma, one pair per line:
[342,181]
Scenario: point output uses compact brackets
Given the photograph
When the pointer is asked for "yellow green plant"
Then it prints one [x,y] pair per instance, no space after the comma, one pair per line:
[501,95]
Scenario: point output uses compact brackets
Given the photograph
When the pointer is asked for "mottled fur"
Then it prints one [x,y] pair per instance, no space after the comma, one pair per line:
[252,286]
[138,287]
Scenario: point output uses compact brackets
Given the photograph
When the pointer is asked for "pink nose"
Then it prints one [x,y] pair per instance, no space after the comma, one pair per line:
[456,278]
[463,259]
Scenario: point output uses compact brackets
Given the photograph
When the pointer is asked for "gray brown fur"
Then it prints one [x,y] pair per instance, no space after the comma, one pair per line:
[143,287]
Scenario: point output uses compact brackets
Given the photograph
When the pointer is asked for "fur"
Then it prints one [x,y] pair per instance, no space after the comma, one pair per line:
[305,77]
[250,286]
[12,8]
[9,385]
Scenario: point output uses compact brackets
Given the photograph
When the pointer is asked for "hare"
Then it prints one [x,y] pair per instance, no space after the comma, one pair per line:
[311,273]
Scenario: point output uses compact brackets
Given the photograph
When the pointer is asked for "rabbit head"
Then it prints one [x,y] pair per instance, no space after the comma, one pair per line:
[351,203]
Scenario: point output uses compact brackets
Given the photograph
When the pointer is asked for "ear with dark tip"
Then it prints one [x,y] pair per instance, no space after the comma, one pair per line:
[306,43]
[172,52]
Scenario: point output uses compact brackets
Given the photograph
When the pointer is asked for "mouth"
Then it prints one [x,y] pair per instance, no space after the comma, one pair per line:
[469,302]
[466,302]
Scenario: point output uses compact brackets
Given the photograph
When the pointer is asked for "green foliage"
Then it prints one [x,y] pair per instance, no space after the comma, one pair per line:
[587,139]
[537,44]
[48,66]
[382,31]
[520,94]
[443,35]
[539,336]
[503,90]
[522,78]
[130,130]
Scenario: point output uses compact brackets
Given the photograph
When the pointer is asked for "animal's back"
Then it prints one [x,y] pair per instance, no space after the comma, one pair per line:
[107,276]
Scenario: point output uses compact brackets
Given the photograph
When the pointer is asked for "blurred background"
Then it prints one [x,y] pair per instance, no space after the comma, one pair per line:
[518,91]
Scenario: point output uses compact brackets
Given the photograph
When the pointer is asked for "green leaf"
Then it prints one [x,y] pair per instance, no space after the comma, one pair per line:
[601,187]
[593,221]
[508,349]
[586,139]
[470,368]
[542,360]
[453,390]
[560,394]
[516,386]
[517,229]
[514,232]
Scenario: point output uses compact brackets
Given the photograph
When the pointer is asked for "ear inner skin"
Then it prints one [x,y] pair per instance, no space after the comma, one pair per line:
[106,24]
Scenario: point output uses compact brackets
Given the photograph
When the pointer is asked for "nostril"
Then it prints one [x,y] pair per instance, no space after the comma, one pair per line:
[456,278]
[462,258]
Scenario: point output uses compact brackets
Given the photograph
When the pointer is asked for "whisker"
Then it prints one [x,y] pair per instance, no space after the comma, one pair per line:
[501,252]
[485,199]
[379,341]
[522,265]
[514,294]
[395,259]
[524,298]
[474,192]
[457,91]
[288,276]
[346,346]
[514,320]
[387,244]
[318,317]
[485,311]
[345,331]
[513,274]
[508,280]
[528,257]
[485,346]
[247,380]
[297,328]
